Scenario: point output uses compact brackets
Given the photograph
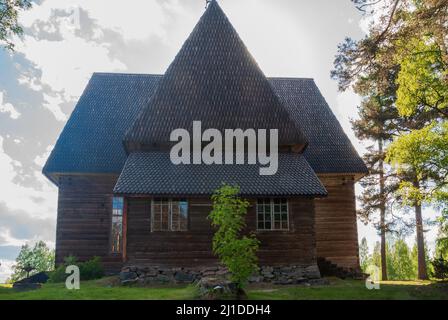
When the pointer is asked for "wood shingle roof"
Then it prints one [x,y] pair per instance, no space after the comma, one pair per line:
[215,80]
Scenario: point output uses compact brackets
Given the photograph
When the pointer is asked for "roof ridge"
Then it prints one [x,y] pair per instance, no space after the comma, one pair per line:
[290,78]
[128,74]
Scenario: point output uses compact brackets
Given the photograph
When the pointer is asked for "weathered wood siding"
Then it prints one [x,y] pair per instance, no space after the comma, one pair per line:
[194,247]
[84,219]
[336,228]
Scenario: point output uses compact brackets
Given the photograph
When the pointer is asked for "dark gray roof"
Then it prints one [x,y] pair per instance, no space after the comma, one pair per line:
[153,173]
[91,141]
[213,79]
[330,150]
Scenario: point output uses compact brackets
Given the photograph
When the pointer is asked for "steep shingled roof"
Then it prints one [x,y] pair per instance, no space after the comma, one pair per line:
[213,79]
[330,150]
[153,173]
[91,141]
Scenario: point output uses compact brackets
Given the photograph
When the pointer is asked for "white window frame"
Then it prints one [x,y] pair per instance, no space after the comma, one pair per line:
[271,203]
[170,214]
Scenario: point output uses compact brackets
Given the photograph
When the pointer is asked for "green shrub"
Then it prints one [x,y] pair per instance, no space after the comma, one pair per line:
[236,252]
[440,267]
[89,270]
[92,269]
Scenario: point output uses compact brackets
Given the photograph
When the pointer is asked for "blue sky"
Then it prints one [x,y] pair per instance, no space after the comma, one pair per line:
[65,41]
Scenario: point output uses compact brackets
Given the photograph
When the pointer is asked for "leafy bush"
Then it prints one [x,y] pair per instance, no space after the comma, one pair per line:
[33,260]
[440,267]
[91,269]
[237,253]
[88,270]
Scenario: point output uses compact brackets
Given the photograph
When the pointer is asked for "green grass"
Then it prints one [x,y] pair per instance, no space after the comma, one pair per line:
[356,290]
[101,290]
[106,289]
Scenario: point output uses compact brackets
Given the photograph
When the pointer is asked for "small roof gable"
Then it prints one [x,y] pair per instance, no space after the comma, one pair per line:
[153,173]
[213,79]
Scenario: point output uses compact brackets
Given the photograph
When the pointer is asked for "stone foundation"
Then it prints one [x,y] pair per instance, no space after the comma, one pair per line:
[147,275]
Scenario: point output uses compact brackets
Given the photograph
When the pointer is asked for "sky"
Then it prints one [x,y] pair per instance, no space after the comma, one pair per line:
[65,41]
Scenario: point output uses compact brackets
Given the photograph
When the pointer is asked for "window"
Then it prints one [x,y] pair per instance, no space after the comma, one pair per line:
[272,214]
[169,215]
[117,224]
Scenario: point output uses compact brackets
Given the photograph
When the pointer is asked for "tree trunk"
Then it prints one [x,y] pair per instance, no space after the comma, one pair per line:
[382,214]
[422,272]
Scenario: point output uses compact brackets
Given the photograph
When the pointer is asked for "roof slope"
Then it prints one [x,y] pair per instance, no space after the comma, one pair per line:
[330,150]
[153,173]
[91,141]
[213,79]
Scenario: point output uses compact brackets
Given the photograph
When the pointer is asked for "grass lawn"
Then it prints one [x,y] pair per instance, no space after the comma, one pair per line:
[338,289]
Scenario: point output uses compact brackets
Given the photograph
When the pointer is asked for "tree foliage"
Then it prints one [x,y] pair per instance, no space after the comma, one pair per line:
[393,20]
[400,257]
[9,25]
[402,63]
[32,260]
[424,151]
[402,261]
[237,252]
[422,81]
[364,254]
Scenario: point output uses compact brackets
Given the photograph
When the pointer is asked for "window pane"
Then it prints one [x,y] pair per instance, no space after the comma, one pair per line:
[170,215]
[272,214]
[267,225]
[117,203]
[165,217]
[183,210]
[117,224]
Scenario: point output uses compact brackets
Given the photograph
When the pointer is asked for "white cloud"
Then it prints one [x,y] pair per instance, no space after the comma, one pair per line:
[53,104]
[134,19]
[67,65]
[346,109]
[31,82]
[18,197]
[40,160]
[6,107]
[9,240]
[5,269]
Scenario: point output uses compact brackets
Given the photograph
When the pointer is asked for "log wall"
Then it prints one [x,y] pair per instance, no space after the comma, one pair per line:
[84,219]
[336,228]
[194,247]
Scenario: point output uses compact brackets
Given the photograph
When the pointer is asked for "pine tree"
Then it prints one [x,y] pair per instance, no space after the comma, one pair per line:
[376,256]
[364,254]
[402,261]
[396,39]
[377,123]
